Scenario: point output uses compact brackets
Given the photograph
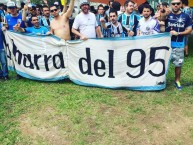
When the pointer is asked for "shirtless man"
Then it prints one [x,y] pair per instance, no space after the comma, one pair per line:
[60,24]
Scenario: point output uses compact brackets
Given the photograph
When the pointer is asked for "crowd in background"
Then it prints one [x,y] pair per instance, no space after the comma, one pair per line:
[104,21]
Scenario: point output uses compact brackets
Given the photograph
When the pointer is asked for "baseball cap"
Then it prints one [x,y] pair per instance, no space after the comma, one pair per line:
[56,3]
[11,4]
[84,2]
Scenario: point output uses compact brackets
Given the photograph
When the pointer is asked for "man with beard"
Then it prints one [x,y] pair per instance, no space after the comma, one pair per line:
[179,25]
[60,24]
[114,27]
[86,23]
[46,18]
[148,25]
[36,29]
[129,19]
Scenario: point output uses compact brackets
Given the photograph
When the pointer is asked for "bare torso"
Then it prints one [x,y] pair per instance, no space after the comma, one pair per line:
[60,27]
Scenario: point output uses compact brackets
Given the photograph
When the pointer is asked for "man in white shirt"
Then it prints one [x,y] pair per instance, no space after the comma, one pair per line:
[86,23]
[148,25]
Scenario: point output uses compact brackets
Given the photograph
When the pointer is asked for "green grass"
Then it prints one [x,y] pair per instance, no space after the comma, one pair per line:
[42,113]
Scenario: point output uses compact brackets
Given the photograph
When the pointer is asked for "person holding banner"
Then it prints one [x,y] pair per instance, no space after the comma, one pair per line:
[86,23]
[179,25]
[60,24]
[148,25]
[3,61]
[12,19]
[36,29]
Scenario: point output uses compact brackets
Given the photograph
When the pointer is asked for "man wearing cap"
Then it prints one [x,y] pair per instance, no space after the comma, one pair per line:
[86,23]
[60,24]
[13,18]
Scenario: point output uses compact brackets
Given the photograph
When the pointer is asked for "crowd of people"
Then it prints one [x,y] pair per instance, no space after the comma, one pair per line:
[113,20]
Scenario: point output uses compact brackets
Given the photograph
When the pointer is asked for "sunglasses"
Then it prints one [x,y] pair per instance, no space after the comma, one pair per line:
[54,10]
[175,4]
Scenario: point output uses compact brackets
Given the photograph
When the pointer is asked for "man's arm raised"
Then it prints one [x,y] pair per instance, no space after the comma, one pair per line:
[70,9]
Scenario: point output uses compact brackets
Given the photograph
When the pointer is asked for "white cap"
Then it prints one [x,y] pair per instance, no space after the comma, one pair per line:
[11,4]
[84,2]
[56,3]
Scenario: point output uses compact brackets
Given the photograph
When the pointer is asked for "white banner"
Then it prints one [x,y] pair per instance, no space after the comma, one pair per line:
[37,57]
[138,63]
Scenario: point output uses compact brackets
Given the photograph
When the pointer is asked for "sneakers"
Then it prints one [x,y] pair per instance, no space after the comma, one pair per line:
[6,78]
[178,85]
[18,77]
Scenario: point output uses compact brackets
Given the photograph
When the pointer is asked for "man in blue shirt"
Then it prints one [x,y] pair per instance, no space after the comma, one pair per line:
[3,62]
[113,27]
[129,19]
[179,25]
[46,18]
[36,29]
[14,17]
[2,13]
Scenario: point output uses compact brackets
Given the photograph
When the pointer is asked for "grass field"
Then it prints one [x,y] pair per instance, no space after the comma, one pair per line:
[41,113]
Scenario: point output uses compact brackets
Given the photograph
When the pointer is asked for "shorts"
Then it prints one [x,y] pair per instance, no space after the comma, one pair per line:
[177,56]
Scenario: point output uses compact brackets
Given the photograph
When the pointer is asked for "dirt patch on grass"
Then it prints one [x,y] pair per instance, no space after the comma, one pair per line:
[175,130]
[161,128]
[155,124]
[43,127]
